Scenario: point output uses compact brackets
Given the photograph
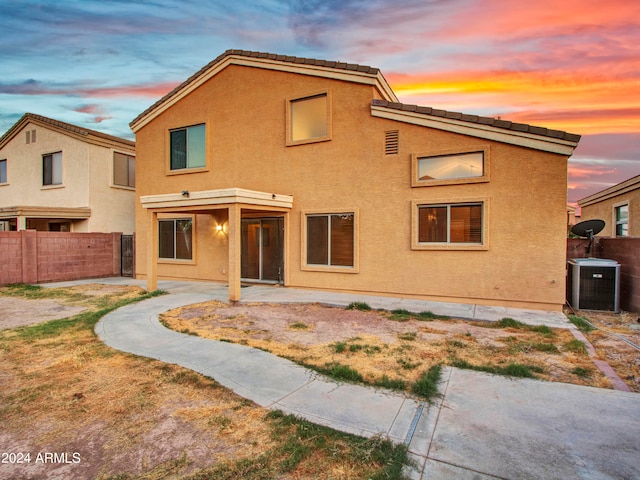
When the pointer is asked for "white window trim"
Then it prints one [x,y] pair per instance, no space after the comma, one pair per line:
[356,241]
[486,167]
[417,245]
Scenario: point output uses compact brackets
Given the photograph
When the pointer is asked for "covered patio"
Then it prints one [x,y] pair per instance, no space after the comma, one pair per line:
[229,206]
[42,218]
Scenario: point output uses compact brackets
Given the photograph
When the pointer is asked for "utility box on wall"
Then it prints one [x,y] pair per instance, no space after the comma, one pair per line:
[593,284]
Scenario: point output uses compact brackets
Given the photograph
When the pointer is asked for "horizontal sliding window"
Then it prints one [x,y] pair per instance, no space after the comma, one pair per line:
[453,223]
[188,148]
[124,170]
[175,239]
[3,171]
[52,169]
[330,240]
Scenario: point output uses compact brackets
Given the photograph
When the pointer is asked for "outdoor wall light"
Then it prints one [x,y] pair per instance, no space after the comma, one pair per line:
[219,228]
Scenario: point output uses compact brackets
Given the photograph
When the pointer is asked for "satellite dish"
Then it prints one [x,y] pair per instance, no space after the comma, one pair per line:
[588,229]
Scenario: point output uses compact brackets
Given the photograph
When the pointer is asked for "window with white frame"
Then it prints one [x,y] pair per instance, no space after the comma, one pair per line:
[3,171]
[175,239]
[308,119]
[450,223]
[330,239]
[621,213]
[187,147]
[52,169]
[124,170]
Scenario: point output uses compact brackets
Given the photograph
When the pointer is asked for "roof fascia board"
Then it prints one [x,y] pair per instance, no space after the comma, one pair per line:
[46,212]
[611,192]
[82,135]
[377,81]
[522,139]
[217,197]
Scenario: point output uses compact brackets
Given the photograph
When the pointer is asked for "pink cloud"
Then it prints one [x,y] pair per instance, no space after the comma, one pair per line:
[33,87]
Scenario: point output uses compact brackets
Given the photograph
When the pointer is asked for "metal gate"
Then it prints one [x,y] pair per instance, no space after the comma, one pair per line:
[126,255]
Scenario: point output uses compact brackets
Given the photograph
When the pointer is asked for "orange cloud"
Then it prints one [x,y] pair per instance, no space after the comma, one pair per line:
[574,101]
[153,90]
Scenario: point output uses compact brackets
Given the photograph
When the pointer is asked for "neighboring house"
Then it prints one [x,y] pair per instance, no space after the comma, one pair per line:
[59,177]
[309,173]
[618,206]
[572,219]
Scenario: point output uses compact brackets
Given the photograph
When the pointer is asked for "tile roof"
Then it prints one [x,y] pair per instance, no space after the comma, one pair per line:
[85,132]
[621,188]
[261,55]
[493,122]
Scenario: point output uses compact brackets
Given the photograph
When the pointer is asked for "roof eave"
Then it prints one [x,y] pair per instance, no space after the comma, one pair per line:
[489,132]
[82,134]
[620,189]
[366,76]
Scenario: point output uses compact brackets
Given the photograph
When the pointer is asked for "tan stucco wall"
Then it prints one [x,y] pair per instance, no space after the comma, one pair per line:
[523,263]
[605,210]
[86,180]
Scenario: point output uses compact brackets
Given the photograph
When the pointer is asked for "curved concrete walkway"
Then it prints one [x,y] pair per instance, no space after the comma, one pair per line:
[482,426]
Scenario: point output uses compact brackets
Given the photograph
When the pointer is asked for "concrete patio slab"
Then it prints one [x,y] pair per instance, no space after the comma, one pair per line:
[527,429]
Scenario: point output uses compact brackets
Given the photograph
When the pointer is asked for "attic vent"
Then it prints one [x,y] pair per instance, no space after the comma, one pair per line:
[391,142]
[31,136]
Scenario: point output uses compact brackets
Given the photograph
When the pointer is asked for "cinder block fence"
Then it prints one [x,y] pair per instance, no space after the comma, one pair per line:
[29,256]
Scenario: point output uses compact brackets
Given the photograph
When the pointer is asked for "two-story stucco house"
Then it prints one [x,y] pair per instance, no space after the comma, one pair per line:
[310,173]
[59,177]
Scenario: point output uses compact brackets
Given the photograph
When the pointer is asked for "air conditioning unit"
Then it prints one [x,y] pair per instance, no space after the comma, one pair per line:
[593,284]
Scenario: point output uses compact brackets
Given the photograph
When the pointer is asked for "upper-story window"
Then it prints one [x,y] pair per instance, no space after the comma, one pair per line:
[52,169]
[622,220]
[308,119]
[188,148]
[3,171]
[124,170]
[451,167]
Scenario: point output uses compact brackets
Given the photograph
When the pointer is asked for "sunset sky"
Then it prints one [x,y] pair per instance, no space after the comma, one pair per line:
[571,65]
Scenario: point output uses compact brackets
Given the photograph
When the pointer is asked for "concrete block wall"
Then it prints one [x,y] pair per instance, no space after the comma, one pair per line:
[33,257]
[10,258]
[625,251]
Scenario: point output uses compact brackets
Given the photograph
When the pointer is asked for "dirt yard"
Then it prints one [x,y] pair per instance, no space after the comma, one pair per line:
[399,347]
[74,409]
[107,415]
[103,413]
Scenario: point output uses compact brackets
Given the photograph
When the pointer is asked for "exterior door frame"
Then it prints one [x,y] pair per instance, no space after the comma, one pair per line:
[260,242]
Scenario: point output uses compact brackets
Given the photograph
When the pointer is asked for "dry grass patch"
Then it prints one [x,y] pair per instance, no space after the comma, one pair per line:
[129,417]
[624,358]
[391,349]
